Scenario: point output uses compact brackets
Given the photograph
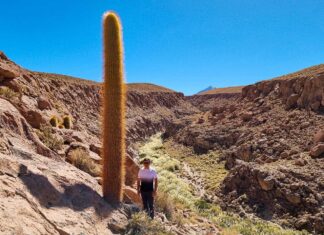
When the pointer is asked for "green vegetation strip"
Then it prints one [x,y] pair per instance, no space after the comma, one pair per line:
[181,194]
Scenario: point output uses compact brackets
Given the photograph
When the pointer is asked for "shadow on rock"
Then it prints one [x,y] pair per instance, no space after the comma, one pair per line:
[78,197]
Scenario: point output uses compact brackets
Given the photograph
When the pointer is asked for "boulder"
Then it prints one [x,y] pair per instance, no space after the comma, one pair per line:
[293,198]
[201,146]
[292,101]
[95,157]
[96,148]
[132,171]
[245,152]
[266,183]
[34,118]
[317,150]
[218,110]
[10,117]
[117,225]
[43,103]
[246,116]
[78,136]
[315,105]
[319,136]
[131,196]
[77,145]
[6,73]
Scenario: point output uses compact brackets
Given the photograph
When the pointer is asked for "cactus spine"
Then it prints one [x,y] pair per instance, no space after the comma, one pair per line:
[113,152]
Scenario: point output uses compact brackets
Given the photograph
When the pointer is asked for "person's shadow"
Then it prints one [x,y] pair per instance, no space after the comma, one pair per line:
[77,197]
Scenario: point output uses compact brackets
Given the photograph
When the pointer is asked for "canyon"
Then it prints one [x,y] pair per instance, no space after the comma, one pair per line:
[268,136]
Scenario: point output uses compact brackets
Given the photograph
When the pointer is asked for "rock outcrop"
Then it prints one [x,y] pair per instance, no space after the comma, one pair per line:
[271,139]
[302,90]
[281,191]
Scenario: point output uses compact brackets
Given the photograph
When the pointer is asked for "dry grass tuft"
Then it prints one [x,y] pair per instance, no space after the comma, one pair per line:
[80,159]
[165,205]
[229,232]
[48,138]
[7,93]
[140,224]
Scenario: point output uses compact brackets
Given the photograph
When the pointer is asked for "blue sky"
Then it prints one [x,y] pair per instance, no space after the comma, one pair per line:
[185,45]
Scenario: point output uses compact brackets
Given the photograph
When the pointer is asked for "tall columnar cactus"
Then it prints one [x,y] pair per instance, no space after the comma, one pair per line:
[113,153]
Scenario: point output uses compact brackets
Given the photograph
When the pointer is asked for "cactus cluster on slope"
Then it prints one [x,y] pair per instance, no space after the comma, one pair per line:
[64,122]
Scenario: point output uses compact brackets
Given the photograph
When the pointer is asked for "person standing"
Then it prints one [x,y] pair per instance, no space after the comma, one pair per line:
[147,184]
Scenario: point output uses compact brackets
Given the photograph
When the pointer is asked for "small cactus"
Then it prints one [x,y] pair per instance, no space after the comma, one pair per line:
[54,121]
[67,122]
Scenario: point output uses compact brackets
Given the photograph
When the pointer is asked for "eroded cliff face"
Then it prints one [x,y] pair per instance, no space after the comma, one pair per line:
[300,90]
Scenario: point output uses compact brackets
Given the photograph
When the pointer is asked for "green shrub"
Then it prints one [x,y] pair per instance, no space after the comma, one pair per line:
[178,193]
[202,205]
[142,155]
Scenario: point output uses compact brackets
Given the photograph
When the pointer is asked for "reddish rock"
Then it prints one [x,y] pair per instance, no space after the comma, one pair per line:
[96,148]
[131,196]
[246,116]
[132,169]
[293,198]
[319,136]
[6,73]
[218,110]
[317,150]
[34,118]
[266,183]
[43,103]
[292,101]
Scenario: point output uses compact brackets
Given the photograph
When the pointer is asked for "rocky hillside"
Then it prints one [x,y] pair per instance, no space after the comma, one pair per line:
[53,196]
[271,139]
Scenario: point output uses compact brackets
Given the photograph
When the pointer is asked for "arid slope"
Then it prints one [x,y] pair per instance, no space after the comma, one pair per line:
[41,191]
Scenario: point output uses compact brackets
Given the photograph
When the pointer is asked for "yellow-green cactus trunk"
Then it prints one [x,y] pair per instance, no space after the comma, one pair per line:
[113,153]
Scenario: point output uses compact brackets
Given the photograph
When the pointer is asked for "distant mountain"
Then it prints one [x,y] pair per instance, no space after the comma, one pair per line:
[206,89]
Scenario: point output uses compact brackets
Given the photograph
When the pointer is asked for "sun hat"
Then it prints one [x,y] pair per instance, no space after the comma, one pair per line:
[146,160]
